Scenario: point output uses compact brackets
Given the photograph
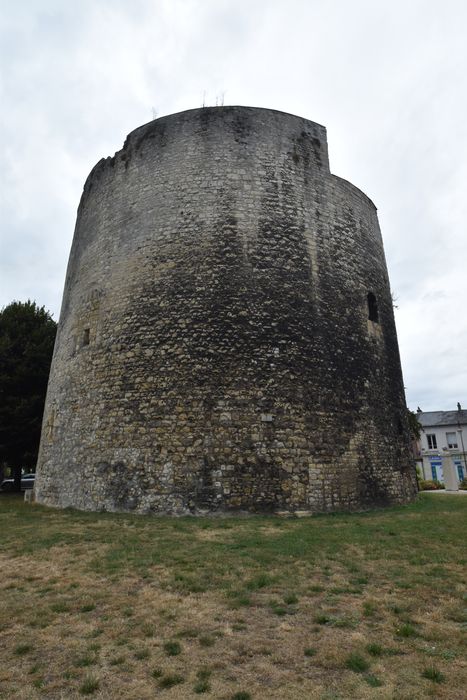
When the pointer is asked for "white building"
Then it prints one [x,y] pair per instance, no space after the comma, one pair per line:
[443,441]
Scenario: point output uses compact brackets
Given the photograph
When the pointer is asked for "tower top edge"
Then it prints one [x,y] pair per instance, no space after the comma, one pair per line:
[226,109]
[215,116]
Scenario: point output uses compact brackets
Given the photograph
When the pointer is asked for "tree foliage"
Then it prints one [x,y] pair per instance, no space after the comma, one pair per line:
[27,335]
[415,426]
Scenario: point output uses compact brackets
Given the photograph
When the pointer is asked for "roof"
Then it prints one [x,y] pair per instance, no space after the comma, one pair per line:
[433,418]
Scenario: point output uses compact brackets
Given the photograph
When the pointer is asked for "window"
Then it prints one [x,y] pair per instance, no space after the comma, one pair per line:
[452,440]
[432,444]
[437,470]
[86,336]
[372,308]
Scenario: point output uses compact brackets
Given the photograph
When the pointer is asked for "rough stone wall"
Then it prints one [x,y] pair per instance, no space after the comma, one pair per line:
[214,350]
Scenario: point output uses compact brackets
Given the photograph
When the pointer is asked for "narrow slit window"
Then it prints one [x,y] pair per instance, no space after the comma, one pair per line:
[86,336]
[372,308]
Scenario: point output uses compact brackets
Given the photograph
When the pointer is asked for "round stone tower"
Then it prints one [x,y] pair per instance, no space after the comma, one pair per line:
[226,339]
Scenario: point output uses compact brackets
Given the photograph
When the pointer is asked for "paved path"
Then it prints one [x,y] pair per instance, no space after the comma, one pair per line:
[446,493]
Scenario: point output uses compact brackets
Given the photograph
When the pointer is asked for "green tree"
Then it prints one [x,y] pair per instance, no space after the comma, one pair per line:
[27,335]
[415,426]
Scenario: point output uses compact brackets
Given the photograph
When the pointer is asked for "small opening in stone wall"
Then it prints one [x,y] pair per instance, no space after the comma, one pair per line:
[372,308]
[400,427]
[50,425]
[86,336]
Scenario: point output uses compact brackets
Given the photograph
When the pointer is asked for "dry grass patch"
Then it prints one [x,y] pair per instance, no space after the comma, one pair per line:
[327,608]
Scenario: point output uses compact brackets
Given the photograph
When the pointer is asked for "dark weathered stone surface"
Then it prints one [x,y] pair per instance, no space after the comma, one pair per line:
[214,350]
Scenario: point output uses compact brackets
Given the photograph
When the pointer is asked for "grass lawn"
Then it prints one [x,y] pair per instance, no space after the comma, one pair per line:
[332,607]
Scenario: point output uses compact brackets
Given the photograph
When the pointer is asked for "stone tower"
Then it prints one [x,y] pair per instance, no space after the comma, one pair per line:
[226,339]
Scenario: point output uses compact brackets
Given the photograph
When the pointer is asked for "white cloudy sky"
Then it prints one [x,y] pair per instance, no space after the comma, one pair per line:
[386,77]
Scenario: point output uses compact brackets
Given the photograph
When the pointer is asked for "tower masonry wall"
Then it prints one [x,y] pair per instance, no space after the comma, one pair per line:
[215,351]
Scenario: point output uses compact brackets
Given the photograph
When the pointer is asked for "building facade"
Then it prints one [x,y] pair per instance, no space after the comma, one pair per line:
[442,445]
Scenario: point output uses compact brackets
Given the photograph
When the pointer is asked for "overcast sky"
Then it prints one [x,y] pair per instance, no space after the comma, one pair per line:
[387,79]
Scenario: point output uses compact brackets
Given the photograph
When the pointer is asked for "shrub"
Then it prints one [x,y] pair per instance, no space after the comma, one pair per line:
[433,675]
[406,630]
[202,685]
[356,662]
[117,661]
[206,640]
[142,654]
[374,649]
[429,485]
[89,686]
[260,581]
[290,598]
[169,680]
[277,608]
[309,651]
[59,607]
[463,485]
[369,608]
[22,649]
[373,681]
[204,674]
[88,607]
[85,660]
[321,619]
[172,648]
